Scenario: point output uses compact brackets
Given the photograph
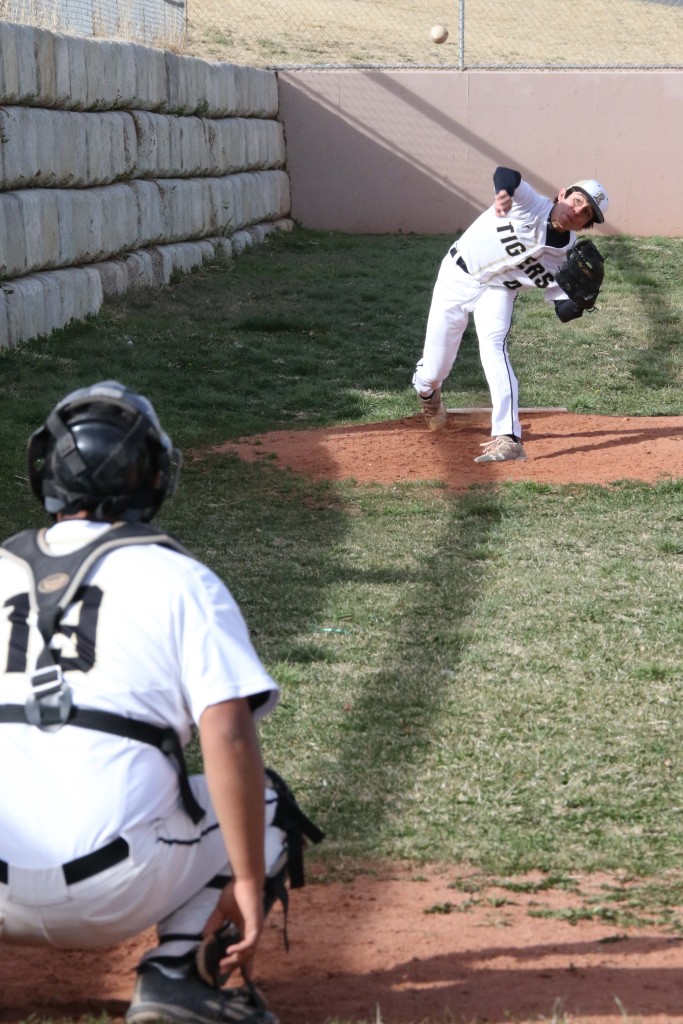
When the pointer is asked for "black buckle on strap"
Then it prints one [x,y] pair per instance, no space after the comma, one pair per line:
[46,681]
[49,706]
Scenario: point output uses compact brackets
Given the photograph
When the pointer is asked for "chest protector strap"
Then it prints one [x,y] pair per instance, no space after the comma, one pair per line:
[55,580]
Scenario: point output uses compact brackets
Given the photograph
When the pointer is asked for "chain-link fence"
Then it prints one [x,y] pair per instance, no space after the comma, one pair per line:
[152,22]
[483,34]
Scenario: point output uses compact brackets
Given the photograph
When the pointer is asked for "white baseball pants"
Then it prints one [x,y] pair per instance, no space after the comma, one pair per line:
[166,881]
[457,295]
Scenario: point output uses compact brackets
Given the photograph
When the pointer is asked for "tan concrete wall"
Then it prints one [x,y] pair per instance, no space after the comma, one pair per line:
[392,151]
[120,165]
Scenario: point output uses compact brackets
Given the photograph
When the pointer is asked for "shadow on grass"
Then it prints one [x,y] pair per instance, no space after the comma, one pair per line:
[346,624]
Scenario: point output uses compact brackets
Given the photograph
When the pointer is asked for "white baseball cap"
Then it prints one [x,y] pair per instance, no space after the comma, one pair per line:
[595,194]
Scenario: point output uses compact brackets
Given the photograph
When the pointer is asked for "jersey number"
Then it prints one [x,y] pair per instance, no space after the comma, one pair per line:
[80,636]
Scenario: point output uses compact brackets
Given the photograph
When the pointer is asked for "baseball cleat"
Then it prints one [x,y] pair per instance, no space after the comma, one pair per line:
[434,410]
[502,449]
[189,1000]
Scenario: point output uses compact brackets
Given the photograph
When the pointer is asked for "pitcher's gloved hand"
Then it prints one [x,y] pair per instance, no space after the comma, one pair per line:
[581,275]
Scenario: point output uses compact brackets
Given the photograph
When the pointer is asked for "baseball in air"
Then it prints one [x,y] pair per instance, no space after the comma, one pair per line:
[438,33]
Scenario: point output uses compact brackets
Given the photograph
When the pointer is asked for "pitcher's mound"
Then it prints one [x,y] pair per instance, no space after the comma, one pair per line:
[561,447]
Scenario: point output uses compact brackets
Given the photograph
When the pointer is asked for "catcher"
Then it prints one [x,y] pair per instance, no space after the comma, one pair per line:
[523,240]
[114,644]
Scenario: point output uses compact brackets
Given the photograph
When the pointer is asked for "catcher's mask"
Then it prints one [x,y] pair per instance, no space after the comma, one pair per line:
[595,194]
[102,450]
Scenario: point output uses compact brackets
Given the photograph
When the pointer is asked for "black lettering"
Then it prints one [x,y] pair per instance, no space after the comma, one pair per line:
[18,634]
[511,244]
[532,268]
[544,281]
[82,635]
[515,248]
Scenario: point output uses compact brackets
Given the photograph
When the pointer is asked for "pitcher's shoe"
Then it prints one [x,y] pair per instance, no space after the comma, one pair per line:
[189,1000]
[434,410]
[502,449]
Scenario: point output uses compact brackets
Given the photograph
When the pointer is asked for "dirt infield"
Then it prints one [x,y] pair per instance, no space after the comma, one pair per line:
[562,448]
[405,946]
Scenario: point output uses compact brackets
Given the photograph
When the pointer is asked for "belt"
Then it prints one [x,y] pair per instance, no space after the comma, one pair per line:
[460,261]
[85,867]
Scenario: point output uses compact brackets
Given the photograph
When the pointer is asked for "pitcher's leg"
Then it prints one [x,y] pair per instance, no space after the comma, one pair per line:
[446,324]
[493,318]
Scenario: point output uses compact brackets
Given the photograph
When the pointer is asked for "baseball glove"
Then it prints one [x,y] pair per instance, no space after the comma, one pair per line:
[582,273]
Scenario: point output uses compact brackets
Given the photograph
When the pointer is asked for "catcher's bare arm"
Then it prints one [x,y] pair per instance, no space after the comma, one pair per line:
[234,773]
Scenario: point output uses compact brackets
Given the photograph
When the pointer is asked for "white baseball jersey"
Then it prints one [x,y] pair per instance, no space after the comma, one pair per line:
[480,276]
[152,635]
[513,251]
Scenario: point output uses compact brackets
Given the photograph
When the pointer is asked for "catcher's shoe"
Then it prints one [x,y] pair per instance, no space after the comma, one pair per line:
[434,410]
[189,1000]
[502,449]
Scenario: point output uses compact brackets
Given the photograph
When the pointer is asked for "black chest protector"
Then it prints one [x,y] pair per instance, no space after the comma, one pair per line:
[55,580]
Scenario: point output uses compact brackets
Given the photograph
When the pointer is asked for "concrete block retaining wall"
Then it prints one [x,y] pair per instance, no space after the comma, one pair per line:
[120,164]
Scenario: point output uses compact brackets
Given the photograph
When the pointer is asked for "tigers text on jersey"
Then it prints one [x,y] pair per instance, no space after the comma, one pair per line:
[512,250]
[152,635]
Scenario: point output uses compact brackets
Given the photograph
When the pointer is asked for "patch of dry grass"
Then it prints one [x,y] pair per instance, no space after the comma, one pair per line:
[396,32]
[387,33]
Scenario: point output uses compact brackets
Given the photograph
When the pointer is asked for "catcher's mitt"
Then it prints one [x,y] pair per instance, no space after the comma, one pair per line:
[582,273]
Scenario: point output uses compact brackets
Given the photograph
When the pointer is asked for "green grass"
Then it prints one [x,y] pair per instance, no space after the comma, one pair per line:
[491,678]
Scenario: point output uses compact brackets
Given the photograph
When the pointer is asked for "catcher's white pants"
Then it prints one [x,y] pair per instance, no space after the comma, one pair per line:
[457,295]
[164,881]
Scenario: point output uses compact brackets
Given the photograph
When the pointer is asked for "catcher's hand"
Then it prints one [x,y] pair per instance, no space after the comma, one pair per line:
[212,950]
[581,274]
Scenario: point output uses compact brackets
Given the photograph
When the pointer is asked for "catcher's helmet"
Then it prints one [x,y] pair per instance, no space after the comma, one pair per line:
[102,450]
